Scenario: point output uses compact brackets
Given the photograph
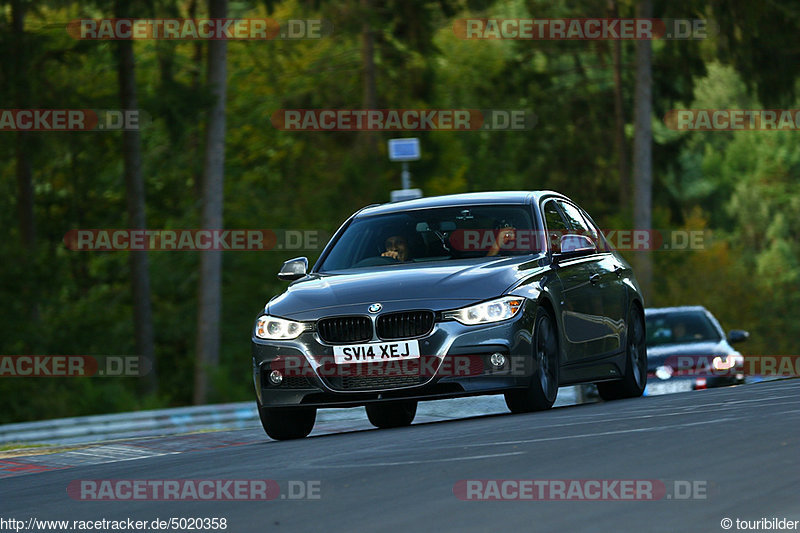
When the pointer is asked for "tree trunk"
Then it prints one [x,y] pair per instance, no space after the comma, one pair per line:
[135,199]
[27,222]
[619,119]
[210,293]
[368,57]
[25,195]
[24,171]
[643,149]
[369,98]
[194,135]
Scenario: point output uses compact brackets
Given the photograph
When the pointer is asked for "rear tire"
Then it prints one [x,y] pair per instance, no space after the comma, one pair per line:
[392,414]
[543,388]
[287,423]
[634,379]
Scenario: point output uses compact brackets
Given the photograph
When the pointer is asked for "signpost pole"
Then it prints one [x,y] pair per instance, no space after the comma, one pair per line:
[403,151]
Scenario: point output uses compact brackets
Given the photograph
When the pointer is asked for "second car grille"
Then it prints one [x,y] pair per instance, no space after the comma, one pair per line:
[344,329]
[404,325]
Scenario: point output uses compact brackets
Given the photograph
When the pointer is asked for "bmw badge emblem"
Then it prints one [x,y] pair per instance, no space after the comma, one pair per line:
[374,308]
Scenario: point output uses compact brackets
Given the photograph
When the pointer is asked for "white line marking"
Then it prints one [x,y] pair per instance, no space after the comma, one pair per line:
[602,434]
[400,463]
[684,411]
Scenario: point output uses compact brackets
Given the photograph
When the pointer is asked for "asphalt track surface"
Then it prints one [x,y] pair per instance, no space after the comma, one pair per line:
[741,443]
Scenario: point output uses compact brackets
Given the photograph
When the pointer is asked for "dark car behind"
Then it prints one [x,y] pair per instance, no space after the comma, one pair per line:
[687,349]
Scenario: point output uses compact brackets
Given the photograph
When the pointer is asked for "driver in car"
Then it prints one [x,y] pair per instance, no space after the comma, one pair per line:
[396,248]
[504,237]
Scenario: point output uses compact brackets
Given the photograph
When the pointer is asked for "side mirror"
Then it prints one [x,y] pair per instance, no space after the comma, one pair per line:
[575,246]
[737,335]
[293,269]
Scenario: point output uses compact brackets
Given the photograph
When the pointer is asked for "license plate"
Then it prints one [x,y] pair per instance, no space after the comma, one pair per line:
[669,387]
[376,352]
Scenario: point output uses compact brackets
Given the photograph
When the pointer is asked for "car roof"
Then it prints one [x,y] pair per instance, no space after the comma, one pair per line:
[474,198]
[650,311]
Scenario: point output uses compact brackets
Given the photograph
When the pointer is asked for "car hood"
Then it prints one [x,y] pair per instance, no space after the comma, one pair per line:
[437,286]
[657,355]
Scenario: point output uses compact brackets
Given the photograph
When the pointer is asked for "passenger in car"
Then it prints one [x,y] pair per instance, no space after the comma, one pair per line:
[505,236]
[396,248]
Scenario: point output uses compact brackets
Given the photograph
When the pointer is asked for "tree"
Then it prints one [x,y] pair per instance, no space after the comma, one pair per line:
[24,171]
[370,98]
[210,293]
[760,40]
[620,141]
[643,148]
[135,201]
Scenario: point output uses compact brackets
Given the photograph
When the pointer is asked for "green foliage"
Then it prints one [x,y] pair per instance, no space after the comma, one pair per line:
[743,187]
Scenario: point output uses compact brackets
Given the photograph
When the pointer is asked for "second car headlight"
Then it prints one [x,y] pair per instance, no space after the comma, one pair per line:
[274,328]
[730,361]
[487,312]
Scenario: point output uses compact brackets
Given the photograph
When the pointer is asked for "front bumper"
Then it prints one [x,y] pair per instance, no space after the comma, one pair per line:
[454,362]
[657,386]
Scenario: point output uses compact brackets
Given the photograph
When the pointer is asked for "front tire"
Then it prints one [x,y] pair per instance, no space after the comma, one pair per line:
[634,379]
[287,423]
[543,388]
[391,415]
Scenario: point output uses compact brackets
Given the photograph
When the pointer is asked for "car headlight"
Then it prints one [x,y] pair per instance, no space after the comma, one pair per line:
[487,312]
[664,372]
[729,362]
[274,328]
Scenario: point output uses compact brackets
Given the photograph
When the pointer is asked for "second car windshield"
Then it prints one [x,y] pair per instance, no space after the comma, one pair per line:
[680,328]
[437,234]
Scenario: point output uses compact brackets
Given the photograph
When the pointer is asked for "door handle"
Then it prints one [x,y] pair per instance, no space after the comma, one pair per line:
[594,278]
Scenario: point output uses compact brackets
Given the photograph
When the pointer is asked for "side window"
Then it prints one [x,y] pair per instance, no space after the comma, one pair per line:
[580,224]
[597,235]
[553,218]
[575,219]
[556,225]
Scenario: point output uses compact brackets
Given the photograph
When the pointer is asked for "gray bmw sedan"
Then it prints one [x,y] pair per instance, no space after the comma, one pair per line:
[513,293]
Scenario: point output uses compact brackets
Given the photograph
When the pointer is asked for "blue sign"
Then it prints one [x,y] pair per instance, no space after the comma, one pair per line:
[404,149]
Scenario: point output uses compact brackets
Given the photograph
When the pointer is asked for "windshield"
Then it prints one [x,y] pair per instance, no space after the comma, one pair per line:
[438,234]
[680,328]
